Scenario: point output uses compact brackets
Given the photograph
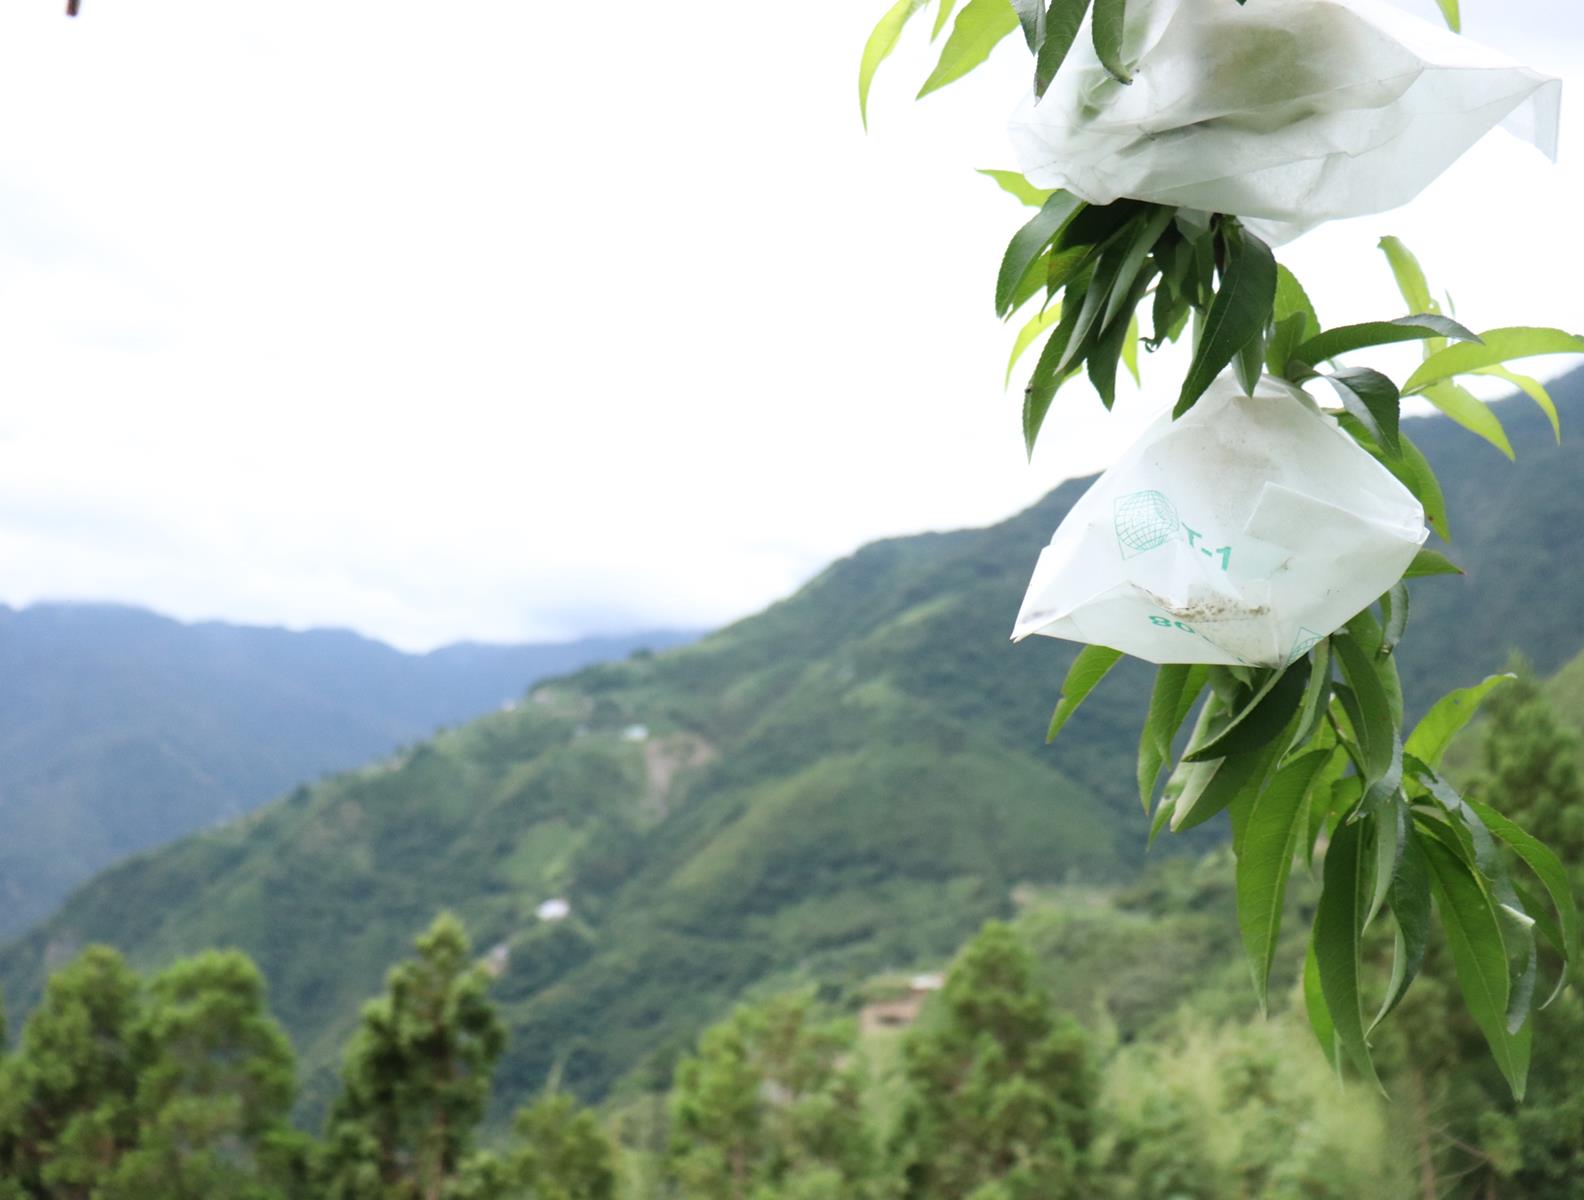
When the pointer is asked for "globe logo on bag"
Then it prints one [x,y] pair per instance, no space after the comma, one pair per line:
[1143,521]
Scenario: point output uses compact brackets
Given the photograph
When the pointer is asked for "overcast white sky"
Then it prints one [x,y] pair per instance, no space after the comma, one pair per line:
[521,321]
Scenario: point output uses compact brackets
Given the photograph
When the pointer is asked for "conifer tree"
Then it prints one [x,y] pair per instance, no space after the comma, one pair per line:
[562,1153]
[1001,1089]
[416,1078]
[67,1114]
[214,1091]
[771,1107]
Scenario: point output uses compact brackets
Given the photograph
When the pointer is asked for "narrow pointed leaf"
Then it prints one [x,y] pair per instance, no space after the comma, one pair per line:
[1239,311]
[1396,602]
[1270,839]
[1031,16]
[1473,934]
[1030,332]
[1409,275]
[944,15]
[1109,17]
[1409,898]
[1088,669]
[1547,868]
[1493,348]
[1470,412]
[879,46]
[1450,14]
[1373,723]
[1062,21]
[1266,715]
[1431,562]
[1130,349]
[1532,388]
[1372,400]
[1030,242]
[1338,937]
[1177,687]
[1013,184]
[975,32]
[1347,338]
[1225,783]
[1317,695]
[1319,1015]
[1436,729]
[1144,239]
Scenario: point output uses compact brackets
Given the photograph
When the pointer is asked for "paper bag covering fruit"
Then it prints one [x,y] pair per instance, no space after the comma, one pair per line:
[1242,532]
[1285,112]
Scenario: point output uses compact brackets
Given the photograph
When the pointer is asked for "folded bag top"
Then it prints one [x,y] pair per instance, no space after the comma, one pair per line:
[1357,107]
[1242,532]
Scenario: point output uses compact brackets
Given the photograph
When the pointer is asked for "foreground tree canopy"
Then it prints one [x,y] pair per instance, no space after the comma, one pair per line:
[1310,758]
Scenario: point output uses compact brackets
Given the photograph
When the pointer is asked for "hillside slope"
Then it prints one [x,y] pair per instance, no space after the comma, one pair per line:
[121,730]
[852,780]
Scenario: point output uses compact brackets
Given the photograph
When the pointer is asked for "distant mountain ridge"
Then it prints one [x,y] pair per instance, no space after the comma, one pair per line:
[849,781]
[121,729]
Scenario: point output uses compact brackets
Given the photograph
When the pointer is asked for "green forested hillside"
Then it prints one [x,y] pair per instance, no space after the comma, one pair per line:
[852,780]
[121,729]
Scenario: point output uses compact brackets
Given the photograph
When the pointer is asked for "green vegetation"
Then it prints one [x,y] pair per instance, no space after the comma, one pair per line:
[1099,1044]
[847,783]
[121,730]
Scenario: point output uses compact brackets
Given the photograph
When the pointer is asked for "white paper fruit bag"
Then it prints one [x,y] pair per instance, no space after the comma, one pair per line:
[1243,532]
[1285,112]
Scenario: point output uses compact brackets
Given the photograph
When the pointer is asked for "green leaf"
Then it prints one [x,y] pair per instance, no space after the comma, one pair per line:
[1177,686]
[1374,727]
[1547,868]
[1144,239]
[1532,388]
[1088,669]
[1270,838]
[1030,242]
[1293,321]
[1113,341]
[1493,348]
[1030,332]
[1225,783]
[975,32]
[1431,562]
[1130,343]
[1338,939]
[1468,411]
[1031,15]
[879,46]
[1410,277]
[1015,185]
[1267,713]
[1449,12]
[1437,728]
[1420,479]
[1109,18]
[1372,400]
[1317,695]
[1062,20]
[1249,363]
[1319,1015]
[1045,379]
[942,17]
[1239,311]
[1395,603]
[1473,934]
[1292,301]
[1347,338]
[1409,898]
